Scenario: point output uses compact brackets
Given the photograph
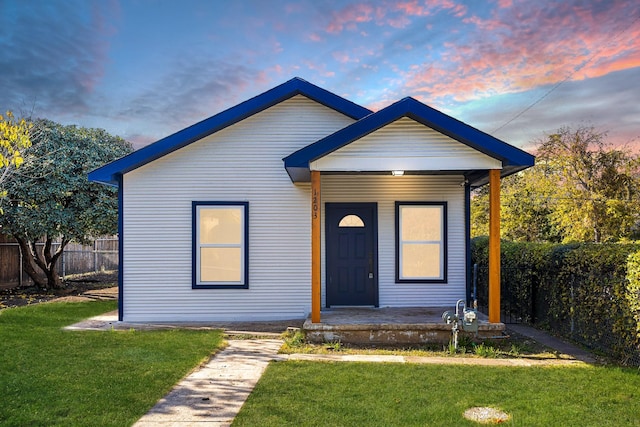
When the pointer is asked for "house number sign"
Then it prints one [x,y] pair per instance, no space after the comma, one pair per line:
[315,205]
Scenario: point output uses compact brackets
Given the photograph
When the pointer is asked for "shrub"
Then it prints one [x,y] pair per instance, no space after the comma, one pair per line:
[633,290]
[587,292]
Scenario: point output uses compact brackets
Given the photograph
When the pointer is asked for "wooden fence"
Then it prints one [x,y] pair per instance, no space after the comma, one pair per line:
[101,255]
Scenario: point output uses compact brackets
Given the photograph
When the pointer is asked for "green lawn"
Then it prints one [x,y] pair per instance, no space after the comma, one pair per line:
[360,394]
[53,377]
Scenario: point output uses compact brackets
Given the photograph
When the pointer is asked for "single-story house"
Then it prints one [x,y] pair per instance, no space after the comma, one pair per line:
[298,200]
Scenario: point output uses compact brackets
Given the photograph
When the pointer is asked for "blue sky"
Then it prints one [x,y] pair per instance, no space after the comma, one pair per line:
[144,69]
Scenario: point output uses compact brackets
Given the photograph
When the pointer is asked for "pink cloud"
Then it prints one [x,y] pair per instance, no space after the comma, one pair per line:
[276,69]
[412,8]
[276,46]
[606,67]
[262,78]
[522,48]
[321,69]
[457,9]
[379,105]
[398,22]
[392,14]
[314,37]
[429,7]
[487,25]
[349,16]
[369,67]
[341,57]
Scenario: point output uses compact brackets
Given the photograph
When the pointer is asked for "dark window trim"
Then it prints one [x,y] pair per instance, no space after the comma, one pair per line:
[194,246]
[445,233]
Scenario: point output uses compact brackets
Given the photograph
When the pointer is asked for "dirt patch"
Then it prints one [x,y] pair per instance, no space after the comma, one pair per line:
[81,287]
[273,326]
[75,298]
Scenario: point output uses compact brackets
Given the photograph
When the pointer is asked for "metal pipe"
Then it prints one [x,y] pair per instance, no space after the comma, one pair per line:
[475,286]
[458,303]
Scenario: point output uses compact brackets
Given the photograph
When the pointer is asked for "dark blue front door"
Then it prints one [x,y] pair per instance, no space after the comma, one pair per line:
[352,254]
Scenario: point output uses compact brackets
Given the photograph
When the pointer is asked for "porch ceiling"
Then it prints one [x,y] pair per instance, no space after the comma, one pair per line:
[474,177]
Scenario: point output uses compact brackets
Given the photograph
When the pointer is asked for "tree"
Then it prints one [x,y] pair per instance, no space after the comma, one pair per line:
[525,208]
[52,199]
[14,139]
[581,189]
[597,185]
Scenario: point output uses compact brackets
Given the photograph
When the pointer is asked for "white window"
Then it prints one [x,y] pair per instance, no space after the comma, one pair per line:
[421,241]
[351,221]
[220,236]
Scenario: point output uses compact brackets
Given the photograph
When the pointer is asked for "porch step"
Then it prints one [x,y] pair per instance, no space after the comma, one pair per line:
[389,326]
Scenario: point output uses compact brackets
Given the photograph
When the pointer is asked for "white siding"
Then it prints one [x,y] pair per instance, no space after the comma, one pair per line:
[386,190]
[240,163]
[405,145]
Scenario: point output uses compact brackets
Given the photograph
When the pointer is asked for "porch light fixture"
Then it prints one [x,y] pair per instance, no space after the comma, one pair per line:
[397,173]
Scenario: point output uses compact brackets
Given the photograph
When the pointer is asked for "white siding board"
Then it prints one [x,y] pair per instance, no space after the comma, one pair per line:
[385,191]
[405,145]
[240,163]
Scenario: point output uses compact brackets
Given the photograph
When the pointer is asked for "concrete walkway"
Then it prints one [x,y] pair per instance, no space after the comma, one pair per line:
[562,347]
[432,360]
[213,394]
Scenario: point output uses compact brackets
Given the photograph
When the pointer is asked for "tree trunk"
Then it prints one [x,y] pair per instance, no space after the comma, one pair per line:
[29,262]
[36,263]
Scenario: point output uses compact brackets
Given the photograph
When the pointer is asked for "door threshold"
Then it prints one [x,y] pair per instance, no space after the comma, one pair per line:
[349,306]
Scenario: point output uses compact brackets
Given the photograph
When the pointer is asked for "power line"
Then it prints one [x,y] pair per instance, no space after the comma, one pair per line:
[569,76]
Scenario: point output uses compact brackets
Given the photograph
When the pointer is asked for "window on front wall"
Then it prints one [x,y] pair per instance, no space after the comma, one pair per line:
[220,248]
[421,241]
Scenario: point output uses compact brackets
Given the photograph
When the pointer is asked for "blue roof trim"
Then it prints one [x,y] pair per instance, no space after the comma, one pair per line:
[108,174]
[513,158]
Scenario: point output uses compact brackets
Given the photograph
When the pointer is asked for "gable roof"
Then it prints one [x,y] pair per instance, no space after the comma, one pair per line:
[108,174]
[513,159]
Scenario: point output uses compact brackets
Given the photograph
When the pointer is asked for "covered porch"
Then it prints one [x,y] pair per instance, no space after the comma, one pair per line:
[412,140]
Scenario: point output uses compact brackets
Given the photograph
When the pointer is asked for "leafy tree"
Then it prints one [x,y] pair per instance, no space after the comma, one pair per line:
[14,139]
[598,186]
[525,208]
[581,189]
[480,210]
[52,199]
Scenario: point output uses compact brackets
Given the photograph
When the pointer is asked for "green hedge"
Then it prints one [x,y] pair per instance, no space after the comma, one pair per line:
[587,292]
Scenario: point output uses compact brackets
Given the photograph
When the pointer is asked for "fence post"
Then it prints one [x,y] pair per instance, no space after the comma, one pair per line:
[21,267]
[534,300]
[572,308]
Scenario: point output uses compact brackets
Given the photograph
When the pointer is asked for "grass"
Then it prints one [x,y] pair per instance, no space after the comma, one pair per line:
[297,393]
[52,377]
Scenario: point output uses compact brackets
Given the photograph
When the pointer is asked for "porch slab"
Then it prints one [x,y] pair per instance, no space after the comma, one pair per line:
[390,326]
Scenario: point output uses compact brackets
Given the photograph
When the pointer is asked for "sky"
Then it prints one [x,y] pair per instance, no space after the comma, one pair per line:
[144,69]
